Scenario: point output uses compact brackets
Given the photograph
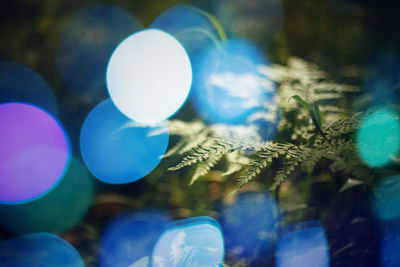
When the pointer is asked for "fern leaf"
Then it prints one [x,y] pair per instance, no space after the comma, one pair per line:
[311,159]
[204,167]
[298,156]
[235,161]
[264,155]
[201,153]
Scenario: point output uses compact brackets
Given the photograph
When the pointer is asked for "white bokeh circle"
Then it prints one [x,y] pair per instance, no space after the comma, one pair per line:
[149,76]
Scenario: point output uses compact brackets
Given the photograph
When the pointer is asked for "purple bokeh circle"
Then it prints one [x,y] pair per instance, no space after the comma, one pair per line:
[34,152]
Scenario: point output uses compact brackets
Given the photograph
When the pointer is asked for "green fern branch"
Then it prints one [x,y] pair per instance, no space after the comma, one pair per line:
[201,153]
[204,167]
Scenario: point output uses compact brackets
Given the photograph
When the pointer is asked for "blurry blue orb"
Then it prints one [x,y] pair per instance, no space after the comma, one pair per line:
[39,249]
[86,44]
[386,200]
[250,225]
[196,241]
[192,27]
[259,21]
[131,237]
[149,76]
[21,84]
[58,211]
[303,247]
[143,262]
[118,150]
[229,87]
[378,138]
[390,247]
[382,78]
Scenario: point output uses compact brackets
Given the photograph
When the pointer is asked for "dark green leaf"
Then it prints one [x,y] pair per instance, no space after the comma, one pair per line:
[300,101]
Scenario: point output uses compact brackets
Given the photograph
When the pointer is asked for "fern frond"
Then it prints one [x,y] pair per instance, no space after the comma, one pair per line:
[302,156]
[235,161]
[265,156]
[312,158]
[204,167]
[346,159]
[201,153]
[344,126]
[287,168]
[186,144]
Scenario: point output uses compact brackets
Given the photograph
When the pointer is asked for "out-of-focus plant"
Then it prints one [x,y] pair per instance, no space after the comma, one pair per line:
[316,118]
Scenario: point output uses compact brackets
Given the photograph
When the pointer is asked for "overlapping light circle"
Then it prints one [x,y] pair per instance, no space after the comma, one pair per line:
[131,237]
[118,150]
[195,241]
[253,242]
[258,20]
[192,27]
[229,88]
[390,245]
[21,84]
[34,152]
[58,211]
[386,200]
[305,246]
[149,76]
[382,76]
[39,249]
[378,138]
[86,44]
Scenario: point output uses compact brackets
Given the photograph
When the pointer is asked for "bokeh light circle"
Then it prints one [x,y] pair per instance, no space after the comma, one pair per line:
[229,87]
[56,212]
[130,237]
[21,84]
[304,245]
[378,138]
[386,199]
[260,21]
[149,76]
[382,77]
[390,245]
[34,152]
[86,44]
[195,241]
[257,241]
[192,27]
[118,150]
[39,249]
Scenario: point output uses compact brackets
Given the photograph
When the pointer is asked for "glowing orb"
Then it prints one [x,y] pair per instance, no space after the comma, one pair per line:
[378,138]
[390,247]
[21,84]
[149,76]
[229,87]
[386,200]
[39,249]
[253,242]
[118,150]
[86,44]
[193,28]
[34,152]
[195,241]
[382,78]
[261,21]
[131,237]
[303,247]
[56,212]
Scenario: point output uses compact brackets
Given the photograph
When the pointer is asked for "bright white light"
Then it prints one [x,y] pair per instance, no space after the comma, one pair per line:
[149,76]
